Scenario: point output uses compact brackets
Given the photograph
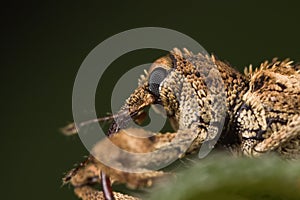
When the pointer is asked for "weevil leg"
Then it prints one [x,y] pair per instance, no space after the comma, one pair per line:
[161,148]
[285,141]
[85,176]
[88,173]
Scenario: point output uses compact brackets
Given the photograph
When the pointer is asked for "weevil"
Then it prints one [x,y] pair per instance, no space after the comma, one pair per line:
[261,115]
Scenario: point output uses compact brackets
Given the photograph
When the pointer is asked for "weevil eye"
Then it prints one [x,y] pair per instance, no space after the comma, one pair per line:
[155,79]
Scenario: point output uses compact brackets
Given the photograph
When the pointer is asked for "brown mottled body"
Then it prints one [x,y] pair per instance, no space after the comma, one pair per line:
[260,111]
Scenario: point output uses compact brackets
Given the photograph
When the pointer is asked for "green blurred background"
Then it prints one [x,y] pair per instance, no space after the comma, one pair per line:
[44,43]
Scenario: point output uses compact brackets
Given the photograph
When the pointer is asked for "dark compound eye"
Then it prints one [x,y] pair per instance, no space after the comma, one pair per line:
[155,79]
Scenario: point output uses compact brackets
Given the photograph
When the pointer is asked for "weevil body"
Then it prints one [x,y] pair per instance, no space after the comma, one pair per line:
[260,111]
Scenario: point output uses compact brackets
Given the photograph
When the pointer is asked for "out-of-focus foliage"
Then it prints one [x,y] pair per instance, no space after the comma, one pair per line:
[228,178]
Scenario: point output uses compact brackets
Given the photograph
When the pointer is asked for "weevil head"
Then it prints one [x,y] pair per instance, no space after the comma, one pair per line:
[175,81]
[153,91]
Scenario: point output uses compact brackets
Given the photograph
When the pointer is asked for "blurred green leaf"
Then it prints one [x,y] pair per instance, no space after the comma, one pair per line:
[224,177]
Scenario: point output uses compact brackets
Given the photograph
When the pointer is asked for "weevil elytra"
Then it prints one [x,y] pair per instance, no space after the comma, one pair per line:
[262,115]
